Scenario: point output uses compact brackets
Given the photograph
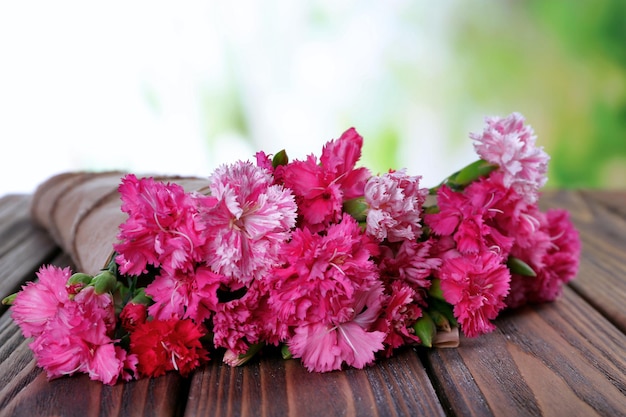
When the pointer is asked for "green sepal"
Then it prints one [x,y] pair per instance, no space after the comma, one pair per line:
[105,281]
[425,329]
[435,289]
[443,307]
[80,278]
[440,320]
[141,297]
[285,352]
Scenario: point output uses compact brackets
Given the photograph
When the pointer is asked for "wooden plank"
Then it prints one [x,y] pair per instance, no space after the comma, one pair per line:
[78,396]
[271,386]
[561,358]
[613,200]
[25,390]
[602,276]
[23,247]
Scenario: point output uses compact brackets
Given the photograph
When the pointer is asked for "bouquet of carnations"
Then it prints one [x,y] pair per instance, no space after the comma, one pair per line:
[330,263]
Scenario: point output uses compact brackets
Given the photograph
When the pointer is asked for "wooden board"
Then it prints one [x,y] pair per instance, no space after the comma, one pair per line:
[561,358]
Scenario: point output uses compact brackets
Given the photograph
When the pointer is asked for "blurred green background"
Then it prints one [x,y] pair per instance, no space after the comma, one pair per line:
[180,88]
[561,64]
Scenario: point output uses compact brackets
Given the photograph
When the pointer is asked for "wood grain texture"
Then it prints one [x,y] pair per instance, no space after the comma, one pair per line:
[398,386]
[601,280]
[23,246]
[562,358]
[555,359]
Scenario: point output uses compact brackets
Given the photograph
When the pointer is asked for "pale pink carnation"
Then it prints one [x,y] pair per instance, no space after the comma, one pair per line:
[476,285]
[510,144]
[395,205]
[249,224]
[321,188]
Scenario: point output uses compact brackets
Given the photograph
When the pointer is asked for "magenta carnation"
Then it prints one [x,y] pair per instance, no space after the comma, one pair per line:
[476,286]
[71,328]
[554,256]
[185,294]
[321,188]
[162,229]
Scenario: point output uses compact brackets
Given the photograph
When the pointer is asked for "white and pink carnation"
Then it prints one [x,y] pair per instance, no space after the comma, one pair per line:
[395,205]
[250,222]
[510,143]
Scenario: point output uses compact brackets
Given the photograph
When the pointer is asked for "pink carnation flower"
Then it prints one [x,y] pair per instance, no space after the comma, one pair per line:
[476,286]
[71,330]
[510,144]
[162,229]
[554,256]
[401,310]
[250,222]
[321,188]
[239,323]
[411,262]
[324,346]
[468,218]
[395,205]
[185,294]
[329,295]
[78,339]
[39,302]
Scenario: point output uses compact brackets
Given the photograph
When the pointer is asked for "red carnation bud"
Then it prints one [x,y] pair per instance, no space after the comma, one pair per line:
[133,315]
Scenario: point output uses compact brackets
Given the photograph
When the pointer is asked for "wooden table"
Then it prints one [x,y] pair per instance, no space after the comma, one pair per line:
[566,358]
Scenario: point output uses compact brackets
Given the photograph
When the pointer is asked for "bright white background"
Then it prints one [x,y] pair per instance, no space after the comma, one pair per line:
[180,87]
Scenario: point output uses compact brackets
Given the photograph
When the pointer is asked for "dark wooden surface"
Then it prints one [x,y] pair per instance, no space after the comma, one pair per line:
[566,358]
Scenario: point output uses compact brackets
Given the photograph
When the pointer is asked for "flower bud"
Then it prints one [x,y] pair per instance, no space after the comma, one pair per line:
[80,278]
[104,282]
[133,315]
[425,329]
[9,299]
[280,158]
